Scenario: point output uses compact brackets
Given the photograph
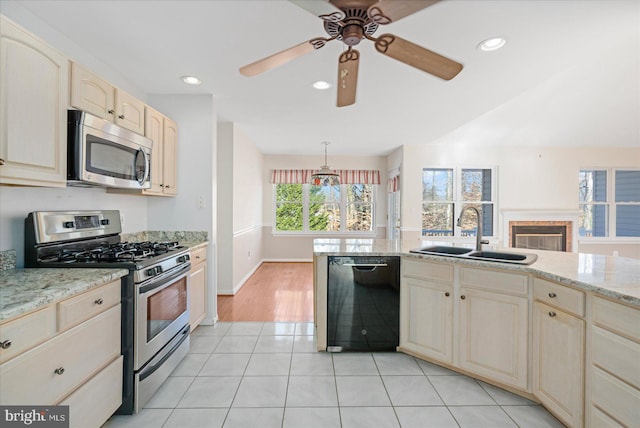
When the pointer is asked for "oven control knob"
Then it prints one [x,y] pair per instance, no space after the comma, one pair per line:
[158,270]
[68,224]
[184,259]
[151,272]
[104,221]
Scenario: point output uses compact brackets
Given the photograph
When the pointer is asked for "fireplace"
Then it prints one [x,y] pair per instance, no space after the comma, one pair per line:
[541,235]
[540,229]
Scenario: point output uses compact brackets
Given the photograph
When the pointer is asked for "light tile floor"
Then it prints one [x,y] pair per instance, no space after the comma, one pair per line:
[254,374]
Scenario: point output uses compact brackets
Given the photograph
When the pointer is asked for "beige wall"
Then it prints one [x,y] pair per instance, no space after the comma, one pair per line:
[529,178]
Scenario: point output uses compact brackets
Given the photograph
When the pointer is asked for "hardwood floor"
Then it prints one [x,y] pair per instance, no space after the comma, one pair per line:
[275,292]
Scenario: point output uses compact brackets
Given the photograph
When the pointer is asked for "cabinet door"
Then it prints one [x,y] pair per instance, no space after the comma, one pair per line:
[129,112]
[198,294]
[154,123]
[558,362]
[34,95]
[427,321]
[91,93]
[494,336]
[170,160]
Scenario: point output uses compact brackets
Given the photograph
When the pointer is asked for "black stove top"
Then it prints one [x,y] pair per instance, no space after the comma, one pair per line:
[105,252]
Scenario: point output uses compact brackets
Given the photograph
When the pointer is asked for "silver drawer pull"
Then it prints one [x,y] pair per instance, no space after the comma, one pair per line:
[59,370]
[121,116]
[552,294]
[112,111]
[99,301]
[5,344]
[552,314]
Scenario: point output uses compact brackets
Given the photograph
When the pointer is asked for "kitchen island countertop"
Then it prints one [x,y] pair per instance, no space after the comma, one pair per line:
[614,277]
[23,290]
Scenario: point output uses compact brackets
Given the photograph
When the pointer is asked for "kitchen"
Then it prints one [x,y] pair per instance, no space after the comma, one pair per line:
[239,229]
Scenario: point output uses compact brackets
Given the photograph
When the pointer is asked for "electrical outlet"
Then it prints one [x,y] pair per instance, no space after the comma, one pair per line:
[248,254]
[615,253]
[201,201]
[121,220]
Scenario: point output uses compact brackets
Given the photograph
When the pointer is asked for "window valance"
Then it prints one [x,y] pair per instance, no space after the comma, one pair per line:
[393,184]
[347,176]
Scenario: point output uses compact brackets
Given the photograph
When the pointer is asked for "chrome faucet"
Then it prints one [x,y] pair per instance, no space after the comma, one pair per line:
[479,240]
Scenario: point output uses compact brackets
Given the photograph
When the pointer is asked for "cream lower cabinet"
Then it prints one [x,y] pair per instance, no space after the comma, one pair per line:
[34,95]
[558,362]
[78,363]
[493,326]
[426,301]
[558,350]
[613,375]
[198,287]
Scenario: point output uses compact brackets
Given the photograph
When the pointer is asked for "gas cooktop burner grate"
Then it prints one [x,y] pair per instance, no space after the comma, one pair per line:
[112,253]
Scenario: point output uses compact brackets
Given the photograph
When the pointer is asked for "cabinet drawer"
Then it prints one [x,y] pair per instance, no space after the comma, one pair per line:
[615,354]
[559,296]
[615,397]
[491,280]
[73,311]
[617,318]
[428,270]
[81,351]
[26,332]
[198,256]
[95,401]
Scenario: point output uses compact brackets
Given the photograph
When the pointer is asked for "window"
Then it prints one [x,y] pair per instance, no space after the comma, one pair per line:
[446,191]
[347,208]
[609,207]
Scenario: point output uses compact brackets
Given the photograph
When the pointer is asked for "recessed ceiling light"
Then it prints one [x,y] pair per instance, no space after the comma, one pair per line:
[492,44]
[321,85]
[191,80]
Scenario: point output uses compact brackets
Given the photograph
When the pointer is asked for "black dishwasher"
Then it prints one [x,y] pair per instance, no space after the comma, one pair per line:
[363,303]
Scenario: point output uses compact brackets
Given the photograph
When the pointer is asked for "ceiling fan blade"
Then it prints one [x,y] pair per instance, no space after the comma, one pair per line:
[282,57]
[348,77]
[387,11]
[417,56]
[321,8]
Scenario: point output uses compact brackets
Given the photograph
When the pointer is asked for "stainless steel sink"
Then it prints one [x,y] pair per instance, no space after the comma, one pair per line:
[489,256]
[499,256]
[442,250]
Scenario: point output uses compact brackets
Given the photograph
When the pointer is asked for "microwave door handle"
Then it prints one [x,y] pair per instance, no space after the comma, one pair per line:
[146,166]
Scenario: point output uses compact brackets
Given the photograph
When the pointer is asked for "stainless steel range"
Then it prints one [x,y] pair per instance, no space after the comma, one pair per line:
[155,294]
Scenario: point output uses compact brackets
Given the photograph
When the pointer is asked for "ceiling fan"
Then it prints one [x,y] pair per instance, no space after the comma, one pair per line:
[351,21]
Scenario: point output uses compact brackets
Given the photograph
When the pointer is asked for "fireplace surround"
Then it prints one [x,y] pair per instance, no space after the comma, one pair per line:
[543,230]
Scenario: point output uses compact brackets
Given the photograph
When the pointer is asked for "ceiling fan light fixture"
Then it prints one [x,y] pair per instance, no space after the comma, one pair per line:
[492,44]
[321,85]
[191,80]
[326,176]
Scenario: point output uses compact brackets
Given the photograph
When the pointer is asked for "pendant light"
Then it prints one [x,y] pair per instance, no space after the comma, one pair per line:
[326,176]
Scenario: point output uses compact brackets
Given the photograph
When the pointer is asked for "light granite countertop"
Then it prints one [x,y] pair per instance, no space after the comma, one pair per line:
[614,277]
[23,290]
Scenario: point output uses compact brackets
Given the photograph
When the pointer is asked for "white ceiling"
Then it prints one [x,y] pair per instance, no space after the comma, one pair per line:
[153,43]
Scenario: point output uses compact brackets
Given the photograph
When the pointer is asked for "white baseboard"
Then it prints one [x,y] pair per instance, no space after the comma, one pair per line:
[287,260]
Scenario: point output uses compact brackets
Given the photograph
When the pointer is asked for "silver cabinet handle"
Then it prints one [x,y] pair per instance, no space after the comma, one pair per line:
[552,294]
[5,344]
[59,370]
[99,301]
[121,116]
[463,297]
[167,186]
[552,314]
[447,294]
[112,111]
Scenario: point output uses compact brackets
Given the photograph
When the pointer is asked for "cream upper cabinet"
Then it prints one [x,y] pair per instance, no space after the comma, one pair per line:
[558,362]
[164,134]
[198,287]
[426,308]
[34,95]
[170,157]
[95,95]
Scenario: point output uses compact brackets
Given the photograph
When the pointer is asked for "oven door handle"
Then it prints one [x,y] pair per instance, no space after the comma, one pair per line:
[162,280]
[153,366]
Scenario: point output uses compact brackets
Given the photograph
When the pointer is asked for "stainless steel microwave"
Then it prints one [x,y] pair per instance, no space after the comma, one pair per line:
[100,153]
